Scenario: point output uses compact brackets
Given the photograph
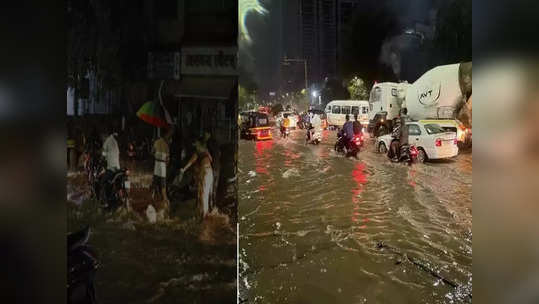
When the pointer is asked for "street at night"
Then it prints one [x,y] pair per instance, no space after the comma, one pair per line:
[316,227]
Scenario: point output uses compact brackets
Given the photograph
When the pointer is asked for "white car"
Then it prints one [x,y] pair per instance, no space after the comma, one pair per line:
[431,140]
[291,116]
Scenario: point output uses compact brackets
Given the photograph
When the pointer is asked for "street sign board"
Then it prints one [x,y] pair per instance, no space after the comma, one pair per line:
[219,61]
[164,65]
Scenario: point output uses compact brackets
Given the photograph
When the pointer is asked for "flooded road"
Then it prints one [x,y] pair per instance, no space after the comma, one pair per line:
[316,227]
[175,261]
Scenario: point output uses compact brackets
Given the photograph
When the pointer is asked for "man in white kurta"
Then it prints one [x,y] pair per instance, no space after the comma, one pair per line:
[161,154]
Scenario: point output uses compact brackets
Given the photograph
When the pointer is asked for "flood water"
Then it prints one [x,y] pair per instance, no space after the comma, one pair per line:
[316,227]
[175,261]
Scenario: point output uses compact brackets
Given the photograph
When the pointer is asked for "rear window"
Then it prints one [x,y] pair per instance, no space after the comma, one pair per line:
[336,110]
[434,129]
[262,121]
[450,129]
[345,110]
[355,110]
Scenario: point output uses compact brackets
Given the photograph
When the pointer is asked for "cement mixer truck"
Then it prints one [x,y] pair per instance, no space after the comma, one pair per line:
[442,95]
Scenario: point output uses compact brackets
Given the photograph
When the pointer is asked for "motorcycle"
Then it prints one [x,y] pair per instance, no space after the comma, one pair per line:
[114,188]
[82,265]
[314,136]
[285,132]
[407,154]
[349,147]
[94,167]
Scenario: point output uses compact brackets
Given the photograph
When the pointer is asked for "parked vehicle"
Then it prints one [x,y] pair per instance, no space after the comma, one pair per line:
[94,167]
[431,141]
[255,126]
[337,110]
[82,265]
[114,189]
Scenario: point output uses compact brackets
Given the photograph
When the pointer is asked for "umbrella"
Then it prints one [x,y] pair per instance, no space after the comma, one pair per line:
[155,114]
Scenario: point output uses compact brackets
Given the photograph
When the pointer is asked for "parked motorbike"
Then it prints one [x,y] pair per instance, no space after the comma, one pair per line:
[349,147]
[114,188]
[82,265]
[94,166]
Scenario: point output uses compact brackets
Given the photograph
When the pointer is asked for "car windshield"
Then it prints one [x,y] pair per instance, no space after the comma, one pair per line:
[434,129]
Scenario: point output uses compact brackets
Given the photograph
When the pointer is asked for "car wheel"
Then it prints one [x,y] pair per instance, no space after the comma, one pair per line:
[421,156]
[382,148]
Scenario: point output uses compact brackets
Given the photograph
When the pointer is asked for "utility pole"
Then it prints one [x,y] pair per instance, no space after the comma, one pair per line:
[287,61]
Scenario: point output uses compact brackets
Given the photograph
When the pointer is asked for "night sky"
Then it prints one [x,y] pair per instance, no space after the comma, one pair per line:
[265,30]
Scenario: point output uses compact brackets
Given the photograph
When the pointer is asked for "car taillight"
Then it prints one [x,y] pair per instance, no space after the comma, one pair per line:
[438,143]
[455,141]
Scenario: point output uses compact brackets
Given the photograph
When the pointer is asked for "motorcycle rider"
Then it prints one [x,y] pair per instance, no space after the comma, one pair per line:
[285,123]
[316,125]
[347,132]
[358,128]
[400,133]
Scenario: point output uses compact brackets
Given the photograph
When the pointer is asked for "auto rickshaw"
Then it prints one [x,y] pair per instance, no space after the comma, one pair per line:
[256,126]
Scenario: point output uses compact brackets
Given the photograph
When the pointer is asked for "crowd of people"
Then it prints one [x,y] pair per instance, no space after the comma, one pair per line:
[172,160]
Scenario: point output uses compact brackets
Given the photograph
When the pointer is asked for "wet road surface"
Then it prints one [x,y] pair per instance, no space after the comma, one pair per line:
[176,261]
[316,227]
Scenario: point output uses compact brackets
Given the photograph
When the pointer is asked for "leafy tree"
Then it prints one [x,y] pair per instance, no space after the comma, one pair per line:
[358,89]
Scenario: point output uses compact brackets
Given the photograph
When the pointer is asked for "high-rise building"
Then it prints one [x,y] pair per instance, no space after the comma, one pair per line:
[312,31]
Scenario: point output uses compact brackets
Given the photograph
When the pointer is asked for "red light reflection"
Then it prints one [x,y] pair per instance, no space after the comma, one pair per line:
[360,178]
[262,153]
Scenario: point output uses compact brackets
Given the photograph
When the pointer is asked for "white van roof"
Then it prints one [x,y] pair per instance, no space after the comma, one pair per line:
[349,102]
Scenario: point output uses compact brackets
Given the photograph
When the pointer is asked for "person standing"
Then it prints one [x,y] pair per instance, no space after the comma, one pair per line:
[358,128]
[111,152]
[161,153]
[203,176]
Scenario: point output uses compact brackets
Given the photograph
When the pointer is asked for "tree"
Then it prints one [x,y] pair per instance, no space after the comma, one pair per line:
[358,89]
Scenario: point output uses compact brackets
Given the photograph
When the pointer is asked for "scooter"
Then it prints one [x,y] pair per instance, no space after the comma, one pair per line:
[82,265]
[314,136]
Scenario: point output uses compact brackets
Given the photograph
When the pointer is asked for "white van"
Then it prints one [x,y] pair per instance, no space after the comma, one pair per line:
[336,111]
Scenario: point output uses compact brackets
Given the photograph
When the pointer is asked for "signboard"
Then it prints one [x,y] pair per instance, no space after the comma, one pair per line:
[164,65]
[221,61]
